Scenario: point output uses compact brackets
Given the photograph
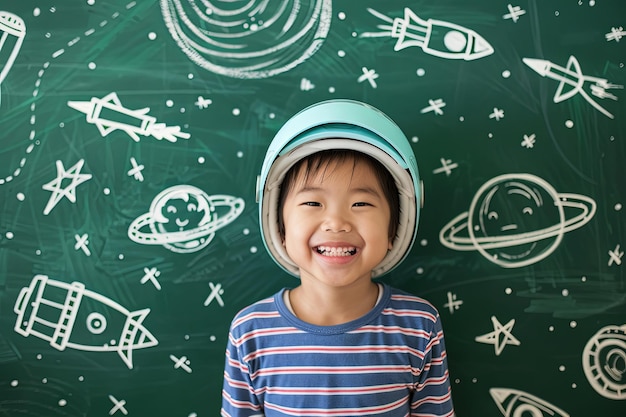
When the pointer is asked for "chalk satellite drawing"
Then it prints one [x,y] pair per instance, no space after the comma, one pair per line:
[515,220]
[257,39]
[59,313]
[604,362]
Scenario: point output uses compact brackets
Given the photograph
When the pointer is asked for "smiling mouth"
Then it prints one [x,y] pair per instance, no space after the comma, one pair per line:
[335,251]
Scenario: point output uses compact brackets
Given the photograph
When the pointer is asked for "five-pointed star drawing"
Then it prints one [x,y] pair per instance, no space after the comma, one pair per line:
[69,191]
[493,338]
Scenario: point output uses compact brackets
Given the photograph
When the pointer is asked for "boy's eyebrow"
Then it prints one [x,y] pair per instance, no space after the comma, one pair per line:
[366,190]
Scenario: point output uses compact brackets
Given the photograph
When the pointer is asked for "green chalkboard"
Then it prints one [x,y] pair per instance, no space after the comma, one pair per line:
[132,133]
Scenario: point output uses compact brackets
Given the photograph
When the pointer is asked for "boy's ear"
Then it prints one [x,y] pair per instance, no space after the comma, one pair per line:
[390,246]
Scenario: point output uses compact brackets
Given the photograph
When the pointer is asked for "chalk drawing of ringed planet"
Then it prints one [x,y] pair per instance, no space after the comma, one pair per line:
[184,219]
[248,39]
[515,220]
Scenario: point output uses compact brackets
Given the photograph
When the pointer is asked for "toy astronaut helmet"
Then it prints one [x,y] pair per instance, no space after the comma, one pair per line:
[340,124]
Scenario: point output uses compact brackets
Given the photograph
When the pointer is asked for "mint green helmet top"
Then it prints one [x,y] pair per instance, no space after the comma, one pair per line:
[340,124]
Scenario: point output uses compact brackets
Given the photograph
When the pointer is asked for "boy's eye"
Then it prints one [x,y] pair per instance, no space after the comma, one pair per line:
[311,203]
[361,204]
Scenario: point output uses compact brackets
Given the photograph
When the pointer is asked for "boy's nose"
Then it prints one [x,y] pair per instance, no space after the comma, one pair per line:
[336,222]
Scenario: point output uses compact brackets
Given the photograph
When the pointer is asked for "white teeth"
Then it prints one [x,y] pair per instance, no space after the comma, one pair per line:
[335,251]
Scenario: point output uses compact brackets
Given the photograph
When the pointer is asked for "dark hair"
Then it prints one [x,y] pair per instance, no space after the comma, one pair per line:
[312,164]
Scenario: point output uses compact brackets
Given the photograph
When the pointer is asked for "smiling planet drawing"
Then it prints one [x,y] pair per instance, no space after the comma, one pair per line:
[515,220]
[184,219]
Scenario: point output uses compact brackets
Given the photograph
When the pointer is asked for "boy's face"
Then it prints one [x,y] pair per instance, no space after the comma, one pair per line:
[337,223]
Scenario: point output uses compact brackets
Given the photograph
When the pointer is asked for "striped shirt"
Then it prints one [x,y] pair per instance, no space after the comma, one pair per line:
[390,362]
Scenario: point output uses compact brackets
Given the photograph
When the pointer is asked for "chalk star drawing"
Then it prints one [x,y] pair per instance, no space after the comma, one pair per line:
[370,76]
[446,166]
[69,191]
[203,103]
[500,337]
[615,34]
[216,294]
[81,243]
[497,114]
[573,77]
[529,141]
[151,275]
[118,405]
[135,171]
[82,320]
[435,37]
[615,256]
[253,39]
[514,13]
[183,363]
[515,220]
[453,303]
[435,106]
[108,114]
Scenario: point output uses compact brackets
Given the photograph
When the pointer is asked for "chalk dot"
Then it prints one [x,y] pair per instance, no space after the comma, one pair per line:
[36,11]
[331,89]
[592,3]
[212,338]
[341,15]
[583,279]
[461,119]
[341,53]
[419,270]
[120,256]
[272,116]
[186,337]
[239,154]
[253,249]
[506,74]
[91,65]
[190,76]
[44,380]
[354,34]
[169,103]
[38,252]
[9,235]
[556,13]
[246,231]
[236,112]
[106,191]
[152,36]
[201,159]
[14,383]
[457,381]
[91,2]
[474,380]
[565,292]
[573,324]
[39,356]
[53,9]
[574,385]
[208,11]
[182,110]
[423,242]
[618,207]
[62,403]
[61,125]
[569,124]
[551,328]
[192,415]
[420,72]
[20,196]
[490,135]
[81,378]
[415,139]
[612,138]
[508,291]
[562,368]
[47,35]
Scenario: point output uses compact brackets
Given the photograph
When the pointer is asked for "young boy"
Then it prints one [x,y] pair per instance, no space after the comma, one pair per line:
[339,201]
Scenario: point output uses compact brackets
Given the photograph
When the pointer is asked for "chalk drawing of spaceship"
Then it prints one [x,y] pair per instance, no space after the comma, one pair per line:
[108,114]
[515,403]
[13,31]
[604,362]
[70,316]
[435,37]
[572,81]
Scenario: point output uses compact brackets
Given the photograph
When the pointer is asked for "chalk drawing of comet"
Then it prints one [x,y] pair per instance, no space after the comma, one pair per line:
[70,316]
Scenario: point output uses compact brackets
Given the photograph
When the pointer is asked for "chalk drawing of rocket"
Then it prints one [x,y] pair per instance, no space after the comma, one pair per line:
[70,316]
[435,37]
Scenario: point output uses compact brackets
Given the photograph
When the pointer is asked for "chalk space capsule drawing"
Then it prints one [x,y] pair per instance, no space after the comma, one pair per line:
[604,362]
[70,316]
[515,220]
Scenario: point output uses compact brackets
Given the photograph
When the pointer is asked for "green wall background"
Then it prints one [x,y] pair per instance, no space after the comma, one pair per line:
[111,111]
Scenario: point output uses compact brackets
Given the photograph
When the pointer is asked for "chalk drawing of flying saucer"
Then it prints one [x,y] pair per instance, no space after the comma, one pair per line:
[252,39]
[184,219]
[515,220]
[604,362]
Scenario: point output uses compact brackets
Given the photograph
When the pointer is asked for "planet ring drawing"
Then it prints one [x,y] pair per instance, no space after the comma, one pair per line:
[450,232]
[154,237]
